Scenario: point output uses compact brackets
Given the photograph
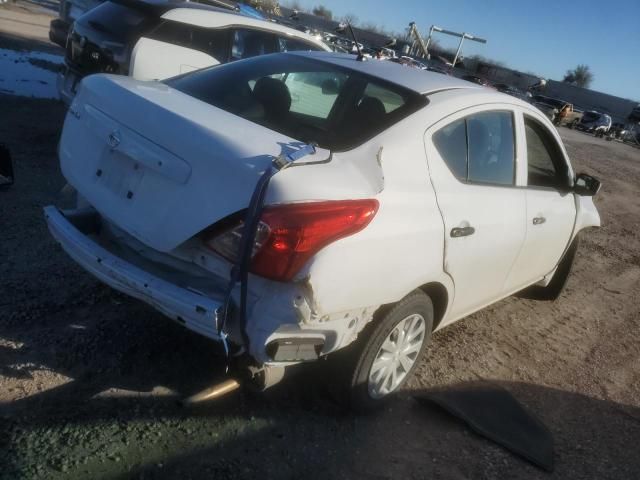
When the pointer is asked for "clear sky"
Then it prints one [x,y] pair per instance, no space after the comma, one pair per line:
[546,37]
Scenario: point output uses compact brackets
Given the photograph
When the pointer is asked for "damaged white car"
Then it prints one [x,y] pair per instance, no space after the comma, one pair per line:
[294,204]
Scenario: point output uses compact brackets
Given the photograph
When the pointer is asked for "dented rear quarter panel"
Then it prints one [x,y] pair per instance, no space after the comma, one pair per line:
[399,251]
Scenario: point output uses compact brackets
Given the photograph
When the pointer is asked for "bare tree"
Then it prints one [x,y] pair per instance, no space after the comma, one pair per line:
[350,18]
[293,5]
[580,76]
[322,11]
[488,61]
[375,28]
[271,7]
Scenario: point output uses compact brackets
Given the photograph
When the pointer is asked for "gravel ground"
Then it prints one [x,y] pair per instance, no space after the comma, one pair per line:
[89,379]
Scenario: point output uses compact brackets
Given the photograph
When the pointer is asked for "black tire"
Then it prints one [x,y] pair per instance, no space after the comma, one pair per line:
[355,361]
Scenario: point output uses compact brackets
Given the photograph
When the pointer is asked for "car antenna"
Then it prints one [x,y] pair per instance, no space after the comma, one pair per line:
[361,57]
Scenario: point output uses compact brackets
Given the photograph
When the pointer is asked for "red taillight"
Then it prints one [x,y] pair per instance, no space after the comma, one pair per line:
[298,231]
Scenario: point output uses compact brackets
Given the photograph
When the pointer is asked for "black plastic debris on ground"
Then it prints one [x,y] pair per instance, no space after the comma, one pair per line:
[494,413]
[6,167]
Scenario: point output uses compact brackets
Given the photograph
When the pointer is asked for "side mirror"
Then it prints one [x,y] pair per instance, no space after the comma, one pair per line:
[6,168]
[330,87]
[586,185]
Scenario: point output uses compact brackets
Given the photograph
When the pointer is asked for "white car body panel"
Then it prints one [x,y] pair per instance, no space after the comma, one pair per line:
[219,19]
[155,60]
[587,215]
[175,60]
[162,190]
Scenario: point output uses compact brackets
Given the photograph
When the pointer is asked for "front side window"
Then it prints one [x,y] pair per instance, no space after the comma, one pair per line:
[491,148]
[251,43]
[479,148]
[306,99]
[545,164]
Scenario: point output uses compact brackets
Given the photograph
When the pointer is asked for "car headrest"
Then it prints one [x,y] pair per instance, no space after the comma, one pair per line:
[367,114]
[371,108]
[274,96]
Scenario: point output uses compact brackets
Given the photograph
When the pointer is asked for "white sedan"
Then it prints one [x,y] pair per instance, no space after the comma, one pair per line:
[297,204]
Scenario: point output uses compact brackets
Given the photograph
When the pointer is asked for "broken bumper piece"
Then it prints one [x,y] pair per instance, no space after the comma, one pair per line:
[295,349]
[196,312]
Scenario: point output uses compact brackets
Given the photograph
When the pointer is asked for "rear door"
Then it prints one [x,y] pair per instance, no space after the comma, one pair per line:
[472,157]
[551,209]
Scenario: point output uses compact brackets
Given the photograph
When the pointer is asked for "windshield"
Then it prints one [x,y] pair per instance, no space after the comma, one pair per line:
[550,101]
[306,99]
[590,116]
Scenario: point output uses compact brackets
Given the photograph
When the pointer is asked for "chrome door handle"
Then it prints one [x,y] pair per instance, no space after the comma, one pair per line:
[539,220]
[462,232]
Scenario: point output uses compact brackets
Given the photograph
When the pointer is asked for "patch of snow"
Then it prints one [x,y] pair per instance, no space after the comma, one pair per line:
[20,77]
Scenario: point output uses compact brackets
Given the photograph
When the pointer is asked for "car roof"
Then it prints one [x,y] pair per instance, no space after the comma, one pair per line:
[159,7]
[420,81]
[217,18]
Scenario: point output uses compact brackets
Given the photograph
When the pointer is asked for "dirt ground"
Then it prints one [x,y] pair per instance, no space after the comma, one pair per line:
[28,19]
[89,379]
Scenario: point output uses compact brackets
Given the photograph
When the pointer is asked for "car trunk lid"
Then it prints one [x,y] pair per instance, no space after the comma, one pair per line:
[158,163]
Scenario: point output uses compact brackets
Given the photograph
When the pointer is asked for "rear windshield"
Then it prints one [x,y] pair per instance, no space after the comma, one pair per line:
[118,22]
[306,99]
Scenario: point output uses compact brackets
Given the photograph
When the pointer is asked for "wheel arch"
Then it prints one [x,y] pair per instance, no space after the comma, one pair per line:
[439,297]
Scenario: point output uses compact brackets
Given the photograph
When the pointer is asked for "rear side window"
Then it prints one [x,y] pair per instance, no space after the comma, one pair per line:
[546,166]
[479,148]
[251,43]
[289,44]
[211,41]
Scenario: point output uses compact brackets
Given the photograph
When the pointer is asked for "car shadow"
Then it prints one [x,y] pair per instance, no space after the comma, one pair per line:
[118,414]
[294,431]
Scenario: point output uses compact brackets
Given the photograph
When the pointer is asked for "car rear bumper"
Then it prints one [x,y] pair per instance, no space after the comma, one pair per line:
[197,312]
[66,82]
